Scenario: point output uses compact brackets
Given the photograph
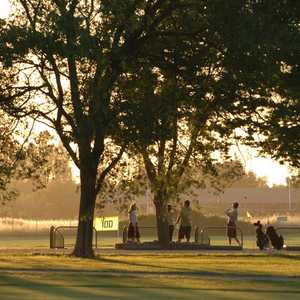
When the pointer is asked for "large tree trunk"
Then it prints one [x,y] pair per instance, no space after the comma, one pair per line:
[84,239]
[161,220]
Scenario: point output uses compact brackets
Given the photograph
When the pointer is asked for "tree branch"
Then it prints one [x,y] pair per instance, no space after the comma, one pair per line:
[113,163]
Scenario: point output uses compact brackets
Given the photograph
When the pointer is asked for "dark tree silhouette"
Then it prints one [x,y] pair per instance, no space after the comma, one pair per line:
[71,63]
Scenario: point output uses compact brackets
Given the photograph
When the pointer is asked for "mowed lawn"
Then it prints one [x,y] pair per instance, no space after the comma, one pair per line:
[41,241]
[186,275]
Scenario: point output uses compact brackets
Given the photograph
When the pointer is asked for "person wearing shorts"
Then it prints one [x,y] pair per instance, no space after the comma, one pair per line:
[232,214]
[185,219]
[133,229]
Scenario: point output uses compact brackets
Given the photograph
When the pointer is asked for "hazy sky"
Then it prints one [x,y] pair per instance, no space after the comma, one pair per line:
[264,167]
[4,8]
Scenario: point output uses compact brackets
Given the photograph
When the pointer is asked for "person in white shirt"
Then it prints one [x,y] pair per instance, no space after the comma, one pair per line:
[232,214]
[133,229]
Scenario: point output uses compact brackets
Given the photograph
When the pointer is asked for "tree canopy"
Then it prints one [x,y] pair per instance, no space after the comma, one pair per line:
[61,60]
[171,77]
[195,95]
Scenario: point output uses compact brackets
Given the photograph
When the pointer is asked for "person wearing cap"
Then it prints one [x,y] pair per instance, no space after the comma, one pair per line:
[232,214]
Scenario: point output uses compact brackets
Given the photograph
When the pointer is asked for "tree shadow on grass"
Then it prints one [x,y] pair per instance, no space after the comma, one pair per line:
[171,271]
[35,289]
[138,264]
[112,288]
[187,273]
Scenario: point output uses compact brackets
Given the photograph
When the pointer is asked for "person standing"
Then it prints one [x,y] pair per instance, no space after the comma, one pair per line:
[185,219]
[232,214]
[133,229]
[171,218]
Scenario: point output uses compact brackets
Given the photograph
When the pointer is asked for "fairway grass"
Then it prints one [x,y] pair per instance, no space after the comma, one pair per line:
[151,276]
[41,241]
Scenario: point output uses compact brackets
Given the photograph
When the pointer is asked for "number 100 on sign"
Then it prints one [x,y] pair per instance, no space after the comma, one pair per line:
[106,224]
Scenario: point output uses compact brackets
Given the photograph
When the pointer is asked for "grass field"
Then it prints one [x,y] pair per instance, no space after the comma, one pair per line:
[159,276]
[42,241]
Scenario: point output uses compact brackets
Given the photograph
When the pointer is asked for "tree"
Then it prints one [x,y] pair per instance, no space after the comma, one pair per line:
[10,154]
[249,179]
[21,159]
[26,158]
[271,55]
[126,183]
[205,92]
[44,161]
[64,61]
[43,178]
[60,63]
[283,133]
[177,130]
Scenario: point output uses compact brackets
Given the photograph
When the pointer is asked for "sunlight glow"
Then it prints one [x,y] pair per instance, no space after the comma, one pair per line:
[5,9]
[275,173]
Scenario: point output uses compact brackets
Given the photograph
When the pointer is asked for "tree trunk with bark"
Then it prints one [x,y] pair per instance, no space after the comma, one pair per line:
[161,220]
[84,240]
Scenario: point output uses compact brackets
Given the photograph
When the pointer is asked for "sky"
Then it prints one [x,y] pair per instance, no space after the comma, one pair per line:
[266,167]
[4,8]
[262,167]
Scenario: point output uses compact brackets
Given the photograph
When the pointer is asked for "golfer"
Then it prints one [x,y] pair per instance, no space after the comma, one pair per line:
[232,214]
